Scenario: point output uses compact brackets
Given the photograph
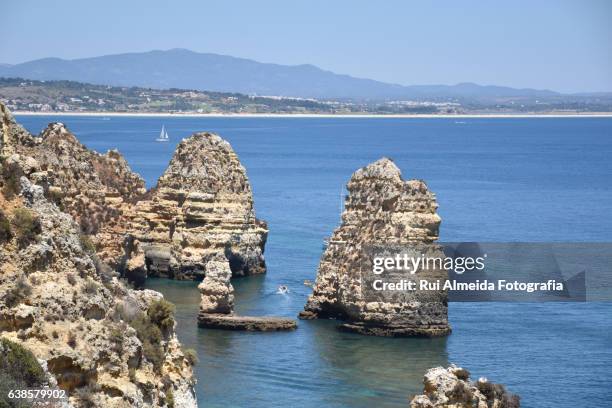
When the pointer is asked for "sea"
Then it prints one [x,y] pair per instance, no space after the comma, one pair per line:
[496,180]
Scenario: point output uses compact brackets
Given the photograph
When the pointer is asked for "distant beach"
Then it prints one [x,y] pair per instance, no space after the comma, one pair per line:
[314,115]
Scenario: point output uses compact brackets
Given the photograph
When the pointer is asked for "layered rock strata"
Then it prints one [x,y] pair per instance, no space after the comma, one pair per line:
[84,325]
[381,210]
[201,207]
[451,388]
[217,303]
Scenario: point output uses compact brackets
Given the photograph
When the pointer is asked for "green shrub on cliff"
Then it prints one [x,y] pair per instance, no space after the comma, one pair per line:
[9,179]
[498,392]
[18,292]
[150,327]
[191,355]
[26,225]
[161,312]
[5,228]
[87,244]
[150,336]
[19,369]
[169,398]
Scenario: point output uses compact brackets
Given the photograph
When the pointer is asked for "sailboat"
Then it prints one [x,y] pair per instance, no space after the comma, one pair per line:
[163,135]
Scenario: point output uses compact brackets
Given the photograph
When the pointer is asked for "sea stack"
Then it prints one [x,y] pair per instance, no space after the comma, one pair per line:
[202,206]
[381,210]
[217,303]
[451,387]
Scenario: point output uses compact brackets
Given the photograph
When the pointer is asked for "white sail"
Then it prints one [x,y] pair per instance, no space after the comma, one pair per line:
[163,135]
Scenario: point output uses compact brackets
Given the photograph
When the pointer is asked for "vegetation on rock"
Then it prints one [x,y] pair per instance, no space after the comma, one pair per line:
[26,225]
[19,369]
[18,292]
[5,228]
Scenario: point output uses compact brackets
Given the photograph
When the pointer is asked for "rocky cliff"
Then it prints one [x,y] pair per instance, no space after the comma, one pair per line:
[96,336]
[202,206]
[96,189]
[105,344]
[381,210]
[451,388]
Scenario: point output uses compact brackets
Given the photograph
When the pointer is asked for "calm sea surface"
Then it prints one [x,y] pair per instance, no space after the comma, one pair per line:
[495,179]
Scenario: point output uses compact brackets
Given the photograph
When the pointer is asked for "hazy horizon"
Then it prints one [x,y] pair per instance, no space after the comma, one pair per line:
[557,45]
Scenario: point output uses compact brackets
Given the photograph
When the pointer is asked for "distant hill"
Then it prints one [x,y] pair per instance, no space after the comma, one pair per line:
[179,68]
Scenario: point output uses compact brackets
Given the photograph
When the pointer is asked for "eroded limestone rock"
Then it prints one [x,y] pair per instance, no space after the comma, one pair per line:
[201,207]
[97,190]
[217,292]
[381,210]
[451,388]
[57,300]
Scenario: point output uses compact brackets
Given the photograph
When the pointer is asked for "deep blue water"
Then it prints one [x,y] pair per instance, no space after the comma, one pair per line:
[495,179]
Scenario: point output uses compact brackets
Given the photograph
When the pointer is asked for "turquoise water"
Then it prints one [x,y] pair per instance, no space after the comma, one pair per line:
[496,180]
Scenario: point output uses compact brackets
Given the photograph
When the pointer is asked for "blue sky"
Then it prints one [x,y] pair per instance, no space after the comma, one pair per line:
[560,45]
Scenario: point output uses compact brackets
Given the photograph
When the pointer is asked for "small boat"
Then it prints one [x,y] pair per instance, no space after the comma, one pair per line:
[308,283]
[282,289]
[163,135]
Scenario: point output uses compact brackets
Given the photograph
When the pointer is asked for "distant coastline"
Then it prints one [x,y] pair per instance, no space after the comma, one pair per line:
[322,115]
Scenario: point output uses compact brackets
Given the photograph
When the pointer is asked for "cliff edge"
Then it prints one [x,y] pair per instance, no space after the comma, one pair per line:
[105,344]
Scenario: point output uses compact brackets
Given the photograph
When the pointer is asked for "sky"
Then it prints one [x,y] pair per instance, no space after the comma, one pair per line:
[546,44]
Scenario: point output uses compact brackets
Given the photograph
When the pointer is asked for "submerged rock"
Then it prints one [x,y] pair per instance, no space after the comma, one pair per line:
[451,388]
[202,206]
[381,210]
[246,323]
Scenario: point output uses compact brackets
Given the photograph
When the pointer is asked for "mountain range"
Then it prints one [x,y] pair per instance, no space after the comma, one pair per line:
[180,68]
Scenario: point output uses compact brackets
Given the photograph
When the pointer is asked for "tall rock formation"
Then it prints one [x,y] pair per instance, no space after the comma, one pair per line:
[202,206]
[105,344]
[381,210]
[217,292]
[451,388]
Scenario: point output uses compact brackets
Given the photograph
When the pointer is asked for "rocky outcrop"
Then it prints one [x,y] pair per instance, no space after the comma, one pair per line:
[201,207]
[217,292]
[246,323]
[381,210]
[451,388]
[217,303]
[97,190]
[105,344]
[55,303]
